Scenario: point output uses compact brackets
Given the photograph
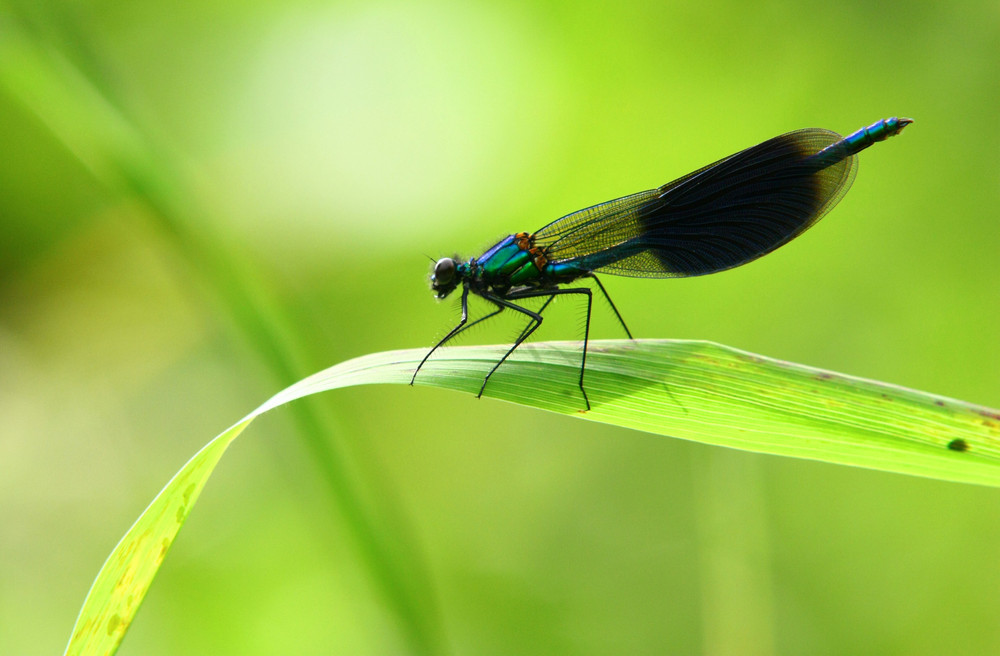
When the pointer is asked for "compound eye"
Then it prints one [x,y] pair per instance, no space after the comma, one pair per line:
[444,271]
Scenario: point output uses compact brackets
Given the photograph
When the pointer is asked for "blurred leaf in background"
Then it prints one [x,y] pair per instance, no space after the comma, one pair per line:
[200,202]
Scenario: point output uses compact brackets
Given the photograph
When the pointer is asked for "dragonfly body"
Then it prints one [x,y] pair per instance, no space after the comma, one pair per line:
[718,217]
[511,263]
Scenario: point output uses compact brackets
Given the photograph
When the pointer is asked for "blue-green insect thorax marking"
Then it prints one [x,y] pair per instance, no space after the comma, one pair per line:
[503,260]
[515,262]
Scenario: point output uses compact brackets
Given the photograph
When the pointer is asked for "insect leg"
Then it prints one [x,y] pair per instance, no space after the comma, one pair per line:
[520,337]
[454,331]
[537,321]
[611,303]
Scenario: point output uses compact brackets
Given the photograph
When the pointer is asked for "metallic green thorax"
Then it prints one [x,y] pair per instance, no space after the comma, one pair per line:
[513,262]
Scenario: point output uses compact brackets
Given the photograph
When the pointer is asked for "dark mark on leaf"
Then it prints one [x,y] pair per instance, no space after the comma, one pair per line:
[958,444]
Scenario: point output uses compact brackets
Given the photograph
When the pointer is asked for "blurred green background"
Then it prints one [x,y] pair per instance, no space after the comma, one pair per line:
[201,202]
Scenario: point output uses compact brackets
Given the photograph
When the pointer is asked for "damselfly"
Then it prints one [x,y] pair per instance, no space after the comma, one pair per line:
[719,217]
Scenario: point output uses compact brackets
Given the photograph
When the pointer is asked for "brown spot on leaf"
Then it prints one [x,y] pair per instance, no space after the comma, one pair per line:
[958,444]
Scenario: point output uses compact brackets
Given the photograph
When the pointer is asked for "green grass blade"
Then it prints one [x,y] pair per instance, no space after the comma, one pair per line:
[86,116]
[693,390]
[123,581]
[714,394]
[119,154]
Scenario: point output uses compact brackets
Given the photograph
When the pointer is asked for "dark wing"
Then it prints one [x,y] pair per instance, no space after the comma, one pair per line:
[721,216]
